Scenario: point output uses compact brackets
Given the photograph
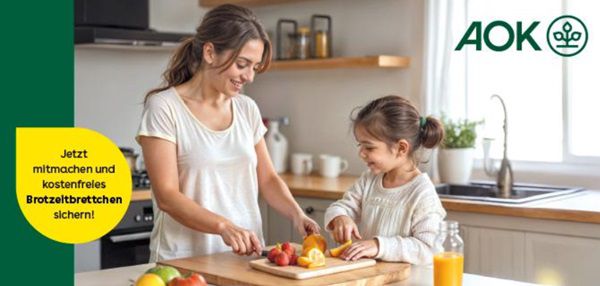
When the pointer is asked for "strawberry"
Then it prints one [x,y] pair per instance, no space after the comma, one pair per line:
[288,248]
[294,259]
[282,259]
[273,253]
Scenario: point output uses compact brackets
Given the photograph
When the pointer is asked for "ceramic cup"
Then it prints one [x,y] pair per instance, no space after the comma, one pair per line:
[302,163]
[331,166]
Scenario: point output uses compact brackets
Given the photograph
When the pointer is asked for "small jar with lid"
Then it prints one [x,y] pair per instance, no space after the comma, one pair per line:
[448,257]
[303,43]
[321,45]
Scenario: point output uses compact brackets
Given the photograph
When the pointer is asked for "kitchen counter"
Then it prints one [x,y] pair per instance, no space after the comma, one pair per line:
[583,206]
[420,276]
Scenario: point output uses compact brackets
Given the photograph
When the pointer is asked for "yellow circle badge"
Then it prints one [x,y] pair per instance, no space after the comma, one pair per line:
[73,184]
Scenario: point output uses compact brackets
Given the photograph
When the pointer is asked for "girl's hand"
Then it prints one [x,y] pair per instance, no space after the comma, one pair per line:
[305,225]
[241,241]
[344,228]
[365,248]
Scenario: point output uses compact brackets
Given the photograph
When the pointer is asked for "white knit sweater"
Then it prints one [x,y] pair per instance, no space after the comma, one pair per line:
[404,219]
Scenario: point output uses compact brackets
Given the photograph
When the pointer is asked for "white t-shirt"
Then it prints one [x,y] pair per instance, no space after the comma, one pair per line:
[217,169]
[404,219]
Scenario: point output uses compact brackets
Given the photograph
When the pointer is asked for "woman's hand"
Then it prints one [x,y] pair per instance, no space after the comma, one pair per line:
[344,228]
[305,225]
[241,241]
[365,248]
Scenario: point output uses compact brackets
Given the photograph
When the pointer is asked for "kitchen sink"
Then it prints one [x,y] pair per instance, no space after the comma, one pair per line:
[487,191]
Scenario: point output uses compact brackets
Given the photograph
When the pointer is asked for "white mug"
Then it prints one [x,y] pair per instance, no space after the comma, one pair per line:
[331,166]
[302,163]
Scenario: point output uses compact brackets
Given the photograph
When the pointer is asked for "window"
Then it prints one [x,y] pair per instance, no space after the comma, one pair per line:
[553,103]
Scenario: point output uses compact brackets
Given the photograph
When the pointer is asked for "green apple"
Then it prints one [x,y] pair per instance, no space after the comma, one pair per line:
[165,272]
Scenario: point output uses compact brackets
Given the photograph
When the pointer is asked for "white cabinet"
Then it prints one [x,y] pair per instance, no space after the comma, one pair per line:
[562,260]
[533,250]
[494,252]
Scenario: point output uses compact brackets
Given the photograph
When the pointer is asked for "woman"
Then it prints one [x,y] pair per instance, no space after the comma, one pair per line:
[203,144]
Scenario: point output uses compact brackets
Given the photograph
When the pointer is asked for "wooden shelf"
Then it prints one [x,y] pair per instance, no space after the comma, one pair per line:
[246,3]
[380,61]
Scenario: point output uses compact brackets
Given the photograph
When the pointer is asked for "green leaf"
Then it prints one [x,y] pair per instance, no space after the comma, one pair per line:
[576,36]
[459,134]
[567,26]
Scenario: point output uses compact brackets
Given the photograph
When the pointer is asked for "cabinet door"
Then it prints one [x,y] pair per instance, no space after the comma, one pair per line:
[315,209]
[562,260]
[494,252]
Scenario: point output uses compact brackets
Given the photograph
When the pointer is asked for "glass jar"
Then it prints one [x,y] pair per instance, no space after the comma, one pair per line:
[321,45]
[303,43]
[448,257]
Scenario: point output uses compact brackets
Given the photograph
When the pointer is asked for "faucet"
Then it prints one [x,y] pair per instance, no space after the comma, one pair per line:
[504,175]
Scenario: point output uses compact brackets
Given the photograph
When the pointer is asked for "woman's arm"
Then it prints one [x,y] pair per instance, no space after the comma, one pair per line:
[160,157]
[278,195]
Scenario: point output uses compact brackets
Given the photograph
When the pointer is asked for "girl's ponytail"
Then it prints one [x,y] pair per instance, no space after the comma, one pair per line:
[432,132]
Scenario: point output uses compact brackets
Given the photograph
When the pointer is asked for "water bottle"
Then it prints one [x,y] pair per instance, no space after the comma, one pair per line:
[448,256]
[277,146]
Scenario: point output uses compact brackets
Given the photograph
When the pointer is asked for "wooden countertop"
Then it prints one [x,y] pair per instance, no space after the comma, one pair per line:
[583,206]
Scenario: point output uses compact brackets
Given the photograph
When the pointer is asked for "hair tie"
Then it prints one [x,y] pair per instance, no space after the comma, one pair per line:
[422,121]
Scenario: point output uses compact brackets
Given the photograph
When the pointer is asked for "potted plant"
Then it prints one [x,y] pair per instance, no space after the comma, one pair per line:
[455,157]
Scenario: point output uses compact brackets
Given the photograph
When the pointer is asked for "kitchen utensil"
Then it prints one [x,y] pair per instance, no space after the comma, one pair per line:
[285,51]
[333,265]
[321,40]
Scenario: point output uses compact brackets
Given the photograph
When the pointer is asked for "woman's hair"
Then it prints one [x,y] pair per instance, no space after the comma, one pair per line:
[391,118]
[227,27]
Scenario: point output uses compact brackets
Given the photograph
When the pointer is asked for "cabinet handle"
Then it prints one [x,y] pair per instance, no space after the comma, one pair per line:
[309,210]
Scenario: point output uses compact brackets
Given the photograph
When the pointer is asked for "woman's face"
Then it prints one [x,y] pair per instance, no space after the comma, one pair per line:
[231,80]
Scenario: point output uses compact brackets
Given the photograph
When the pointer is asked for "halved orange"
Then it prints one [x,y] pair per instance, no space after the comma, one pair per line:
[312,241]
[335,252]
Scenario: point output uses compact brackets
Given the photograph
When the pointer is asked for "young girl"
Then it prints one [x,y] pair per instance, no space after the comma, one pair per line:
[393,208]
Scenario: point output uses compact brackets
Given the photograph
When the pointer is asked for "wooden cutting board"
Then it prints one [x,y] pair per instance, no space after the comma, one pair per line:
[230,269]
[332,265]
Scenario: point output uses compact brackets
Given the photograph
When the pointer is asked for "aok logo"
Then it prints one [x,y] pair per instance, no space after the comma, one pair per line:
[566,36]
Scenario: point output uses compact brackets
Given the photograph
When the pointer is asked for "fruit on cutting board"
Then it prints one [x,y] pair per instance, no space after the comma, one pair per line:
[165,272]
[335,252]
[149,279]
[288,248]
[274,252]
[194,279]
[283,259]
[316,257]
[312,241]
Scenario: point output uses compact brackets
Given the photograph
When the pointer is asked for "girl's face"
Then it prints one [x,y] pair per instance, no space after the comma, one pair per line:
[380,158]
[231,80]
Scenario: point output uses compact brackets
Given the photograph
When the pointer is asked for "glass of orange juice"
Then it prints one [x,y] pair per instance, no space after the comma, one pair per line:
[448,259]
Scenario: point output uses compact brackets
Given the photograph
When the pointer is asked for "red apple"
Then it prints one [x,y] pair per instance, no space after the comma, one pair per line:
[288,248]
[194,279]
[294,259]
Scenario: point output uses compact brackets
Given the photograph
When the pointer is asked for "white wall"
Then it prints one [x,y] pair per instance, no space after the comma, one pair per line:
[110,84]
[319,102]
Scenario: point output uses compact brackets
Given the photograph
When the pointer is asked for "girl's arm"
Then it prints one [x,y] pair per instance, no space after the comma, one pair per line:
[350,205]
[278,195]
[160,157]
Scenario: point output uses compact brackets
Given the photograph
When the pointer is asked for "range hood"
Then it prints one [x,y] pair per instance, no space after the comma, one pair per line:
[119,23]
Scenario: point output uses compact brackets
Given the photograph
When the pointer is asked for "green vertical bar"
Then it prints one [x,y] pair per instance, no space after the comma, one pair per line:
[36,59]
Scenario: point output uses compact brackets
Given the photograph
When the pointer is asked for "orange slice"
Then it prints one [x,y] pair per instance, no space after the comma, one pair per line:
[304,261]
[335,252]
[316,256]
[312,241]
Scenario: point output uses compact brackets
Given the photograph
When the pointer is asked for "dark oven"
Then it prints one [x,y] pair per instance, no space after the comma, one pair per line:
[128,243]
